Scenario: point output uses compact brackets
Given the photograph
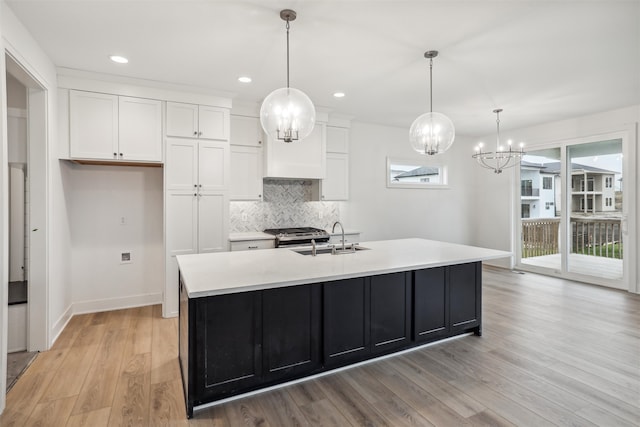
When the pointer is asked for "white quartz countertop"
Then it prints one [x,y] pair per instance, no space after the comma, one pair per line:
[230,272]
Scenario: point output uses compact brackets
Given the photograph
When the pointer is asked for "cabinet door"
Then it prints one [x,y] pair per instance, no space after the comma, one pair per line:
[337,140]
[430,304]
[291,331]
[213,166]
[213,123]
[228,343]
[465,296]
[246,173]
[346,319]
[390,311]
[212,222]
[246,131]
[182,223]
[182,120]
[140,129]
[300,159]
[93,125]
[335,186]
[181,165]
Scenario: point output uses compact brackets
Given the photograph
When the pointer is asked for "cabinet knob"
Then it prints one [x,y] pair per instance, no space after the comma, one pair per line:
[199,133]
[195,194]
[260,196]
[259,142]
[195,185]
[195,133]
[120,154]
[200,185]
[115,155]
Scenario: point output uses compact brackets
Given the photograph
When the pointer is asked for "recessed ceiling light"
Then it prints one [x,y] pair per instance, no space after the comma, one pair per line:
[119,59]
[338,95]
[244,79]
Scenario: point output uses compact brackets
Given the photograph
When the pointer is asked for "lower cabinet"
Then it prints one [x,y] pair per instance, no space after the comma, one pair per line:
[346,317]
[228,344]
[235,343]
[465,293]
[430,304]
[291,331]
[390,311]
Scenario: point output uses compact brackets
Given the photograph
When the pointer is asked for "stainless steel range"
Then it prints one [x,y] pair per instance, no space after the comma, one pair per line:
[298,236]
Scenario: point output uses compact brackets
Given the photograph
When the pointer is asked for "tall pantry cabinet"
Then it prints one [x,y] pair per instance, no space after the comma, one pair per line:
[197,187]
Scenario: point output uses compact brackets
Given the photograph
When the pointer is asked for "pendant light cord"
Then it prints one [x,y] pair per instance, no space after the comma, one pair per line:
[497,131]
[431,85]
[287,53]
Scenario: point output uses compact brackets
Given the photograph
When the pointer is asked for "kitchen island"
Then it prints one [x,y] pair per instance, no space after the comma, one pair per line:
[250,320]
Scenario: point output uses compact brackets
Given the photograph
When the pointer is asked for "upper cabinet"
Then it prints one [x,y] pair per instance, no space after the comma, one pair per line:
[335,186]
[246,158]
[246,131]
[305,159]
[197,121]
[114,128]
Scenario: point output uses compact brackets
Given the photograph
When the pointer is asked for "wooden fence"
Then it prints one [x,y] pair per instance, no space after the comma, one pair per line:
[589,236]
[540,236]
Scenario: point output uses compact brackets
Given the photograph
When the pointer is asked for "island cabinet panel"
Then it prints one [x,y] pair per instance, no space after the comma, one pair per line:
[228,343]
[465,293]
[291,331]
[430,304]
[390,311]
[346,317]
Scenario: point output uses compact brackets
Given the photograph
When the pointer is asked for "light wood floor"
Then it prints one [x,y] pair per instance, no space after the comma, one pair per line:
[553,353]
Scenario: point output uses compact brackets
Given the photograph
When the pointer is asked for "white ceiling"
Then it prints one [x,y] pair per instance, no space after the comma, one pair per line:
[539,60]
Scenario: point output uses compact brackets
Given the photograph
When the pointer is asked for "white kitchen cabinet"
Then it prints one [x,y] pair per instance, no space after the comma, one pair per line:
[114,128]
[246,131]
[335,186]
[337,140]
[196,205]
[93,125]
[299,159]
[246,173]
[197,165]
[197,121]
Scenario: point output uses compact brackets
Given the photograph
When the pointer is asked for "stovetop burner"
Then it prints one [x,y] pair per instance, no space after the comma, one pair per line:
[298,235]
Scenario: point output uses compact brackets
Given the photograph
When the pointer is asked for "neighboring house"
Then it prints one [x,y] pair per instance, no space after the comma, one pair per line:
[421,174]
[592,189]
[537,191]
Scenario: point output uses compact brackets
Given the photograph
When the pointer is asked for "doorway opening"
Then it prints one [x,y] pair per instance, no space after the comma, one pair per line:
[27,171]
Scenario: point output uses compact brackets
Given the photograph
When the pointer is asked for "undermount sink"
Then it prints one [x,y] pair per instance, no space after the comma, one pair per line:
[330,250]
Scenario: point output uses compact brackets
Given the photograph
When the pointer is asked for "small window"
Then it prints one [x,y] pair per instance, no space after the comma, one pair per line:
[608,182]
[403,173]
[547,183]
[548,205]
[526,213]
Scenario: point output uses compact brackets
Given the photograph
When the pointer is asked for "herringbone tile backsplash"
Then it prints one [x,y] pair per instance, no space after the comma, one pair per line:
[287,203]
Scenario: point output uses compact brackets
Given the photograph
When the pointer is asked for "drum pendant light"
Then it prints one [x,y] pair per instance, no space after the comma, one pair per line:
[287,114]
[431,133]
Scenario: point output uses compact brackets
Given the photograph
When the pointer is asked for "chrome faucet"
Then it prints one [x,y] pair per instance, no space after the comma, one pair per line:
[333,230]
[313,247]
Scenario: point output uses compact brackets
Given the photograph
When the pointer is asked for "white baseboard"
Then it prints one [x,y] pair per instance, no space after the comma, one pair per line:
[94,306]
[60,324]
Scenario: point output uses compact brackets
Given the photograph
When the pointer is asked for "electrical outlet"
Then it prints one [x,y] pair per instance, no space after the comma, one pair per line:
[125,257]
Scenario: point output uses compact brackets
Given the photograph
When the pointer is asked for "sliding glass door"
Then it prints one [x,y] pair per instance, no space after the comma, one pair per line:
[572,211]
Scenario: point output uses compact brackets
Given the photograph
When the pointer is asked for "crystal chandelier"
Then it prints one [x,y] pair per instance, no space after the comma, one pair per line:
[501,158]
[431,133]
[287,114]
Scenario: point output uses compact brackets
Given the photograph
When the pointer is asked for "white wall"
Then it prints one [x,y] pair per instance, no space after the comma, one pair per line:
[379,212]
[99,198]
[493,202]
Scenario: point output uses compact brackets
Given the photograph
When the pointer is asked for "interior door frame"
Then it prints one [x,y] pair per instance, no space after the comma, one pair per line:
[628,134]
